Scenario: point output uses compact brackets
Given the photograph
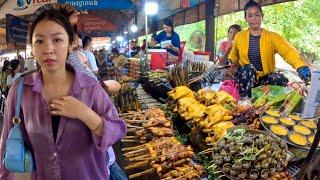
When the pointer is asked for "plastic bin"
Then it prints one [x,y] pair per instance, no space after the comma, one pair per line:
[158,59]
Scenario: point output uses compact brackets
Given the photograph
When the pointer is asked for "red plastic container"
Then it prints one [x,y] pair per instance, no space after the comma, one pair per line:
[158,59]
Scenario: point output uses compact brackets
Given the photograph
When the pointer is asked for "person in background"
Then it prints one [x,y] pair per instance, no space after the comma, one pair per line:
[144,44]
[78,60]
[67,118]
[168,33]
[87,46]
[15,72]
[118,59]
[254,50]
[21,60]
[133,49]
[6,71]
[225,46]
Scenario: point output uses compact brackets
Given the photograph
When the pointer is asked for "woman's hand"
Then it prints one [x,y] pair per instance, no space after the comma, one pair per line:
[69,107]
[73,108]
[170,46]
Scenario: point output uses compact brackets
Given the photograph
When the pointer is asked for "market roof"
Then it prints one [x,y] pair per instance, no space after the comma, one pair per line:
[121,12]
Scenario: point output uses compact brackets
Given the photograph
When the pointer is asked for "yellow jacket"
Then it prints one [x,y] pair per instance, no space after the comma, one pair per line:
[270,44]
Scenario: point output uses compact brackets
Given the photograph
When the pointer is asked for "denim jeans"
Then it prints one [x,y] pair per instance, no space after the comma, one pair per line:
[116,173]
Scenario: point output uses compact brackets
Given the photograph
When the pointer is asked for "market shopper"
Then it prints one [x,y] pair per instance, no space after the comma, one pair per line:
[87,46]
[14,72]
[78,60]
[6,71]
[254,51]
[117,59]
[226,45]
[68,120]
[168,33]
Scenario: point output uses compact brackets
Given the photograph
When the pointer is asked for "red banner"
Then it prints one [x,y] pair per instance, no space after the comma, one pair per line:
[90,23]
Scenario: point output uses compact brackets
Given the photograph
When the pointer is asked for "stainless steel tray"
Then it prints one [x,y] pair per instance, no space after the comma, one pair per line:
[285,139]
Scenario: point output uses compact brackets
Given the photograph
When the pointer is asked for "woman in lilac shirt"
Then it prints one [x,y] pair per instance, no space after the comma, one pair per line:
[68,120]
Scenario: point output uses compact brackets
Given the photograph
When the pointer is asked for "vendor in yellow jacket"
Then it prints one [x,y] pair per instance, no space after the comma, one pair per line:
[254,51]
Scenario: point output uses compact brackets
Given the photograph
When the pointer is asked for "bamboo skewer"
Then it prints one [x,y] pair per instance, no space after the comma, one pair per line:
[153,169]
[134,148]
[136,165]
[135,121]
[135,151]
[135,154]
[129,140]
[139,158]
[130,137]
[137,127]
[142,173]
[131,130]
[210,150]
[195,79]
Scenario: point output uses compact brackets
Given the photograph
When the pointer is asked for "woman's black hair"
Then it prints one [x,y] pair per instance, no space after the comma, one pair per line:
[14,64]
[251,4]
[235,26]
[6,64]
[58,16]
[169,23]
[86,41]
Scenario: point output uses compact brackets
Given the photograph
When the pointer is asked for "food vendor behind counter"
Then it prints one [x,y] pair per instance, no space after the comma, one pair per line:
[254,50]
[168,33]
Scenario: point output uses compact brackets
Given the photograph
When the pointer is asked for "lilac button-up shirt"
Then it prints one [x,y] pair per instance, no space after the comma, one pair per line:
[77,152]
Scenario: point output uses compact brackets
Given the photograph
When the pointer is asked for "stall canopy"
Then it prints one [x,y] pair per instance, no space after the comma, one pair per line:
[123,13]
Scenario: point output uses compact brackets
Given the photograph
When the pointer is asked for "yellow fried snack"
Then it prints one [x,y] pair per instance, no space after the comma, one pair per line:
[180,92]
[220,129]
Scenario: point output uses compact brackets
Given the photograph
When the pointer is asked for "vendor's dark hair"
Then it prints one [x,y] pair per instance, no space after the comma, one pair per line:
[86,41]
[53,15]
[251,4]
[235,26]
[168,22]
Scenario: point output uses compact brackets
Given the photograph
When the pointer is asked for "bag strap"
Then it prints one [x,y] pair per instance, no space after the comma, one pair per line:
[18,100]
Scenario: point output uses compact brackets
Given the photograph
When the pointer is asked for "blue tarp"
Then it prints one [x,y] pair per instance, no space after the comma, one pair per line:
[99,4]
